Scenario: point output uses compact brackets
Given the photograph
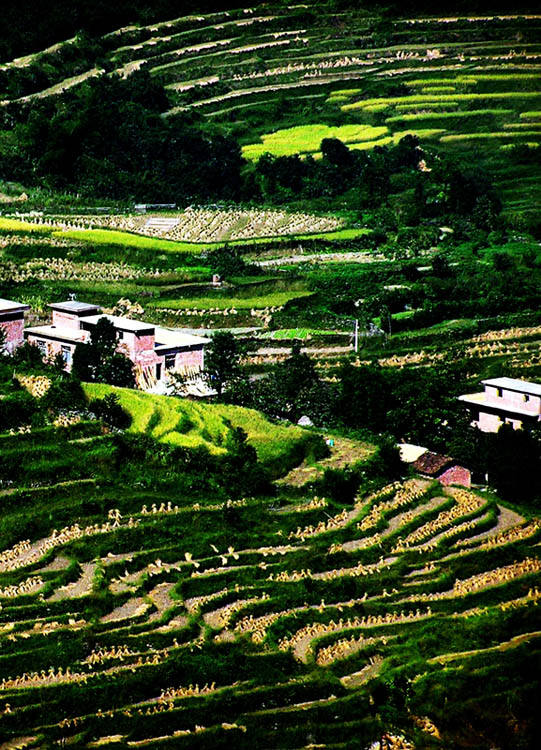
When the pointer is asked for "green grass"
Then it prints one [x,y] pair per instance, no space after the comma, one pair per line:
[419,116]
[307,139]
[190,424]
[484,136]
[114,237]
[447,98]
[15,225]
[287,334]
[338,234]
[275,299]
[429,104]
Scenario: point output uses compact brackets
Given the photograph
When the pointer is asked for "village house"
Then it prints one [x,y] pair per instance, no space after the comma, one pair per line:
[154,351]
[443,468]
[435,465]
[504,401]
[12,323]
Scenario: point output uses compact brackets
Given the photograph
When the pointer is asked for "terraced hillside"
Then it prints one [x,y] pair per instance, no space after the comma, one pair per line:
[133,616]
[188,424]
[461,82]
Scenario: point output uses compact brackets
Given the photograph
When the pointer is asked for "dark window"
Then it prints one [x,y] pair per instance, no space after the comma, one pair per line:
[66,354]
[169,361]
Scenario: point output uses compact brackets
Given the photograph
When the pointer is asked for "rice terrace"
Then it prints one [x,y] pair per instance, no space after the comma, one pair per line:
[270,384]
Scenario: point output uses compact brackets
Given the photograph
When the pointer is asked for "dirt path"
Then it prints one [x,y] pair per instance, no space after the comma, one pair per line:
[319,258]
[354,680]
[160,597]
[506,519]
[394,524]
[131,608]
[285,351]
[81,587]
[59,563]
[504,646]
[18,743]
[219,618]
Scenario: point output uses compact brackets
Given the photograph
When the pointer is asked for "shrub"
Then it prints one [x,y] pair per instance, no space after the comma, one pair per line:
[110,411]
[65,393]
[340,485]
[17,409]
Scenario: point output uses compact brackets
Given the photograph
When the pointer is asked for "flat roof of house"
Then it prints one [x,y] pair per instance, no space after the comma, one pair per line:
[169,339]
[9,305]
[58,333]
[124,324]
[73,306]
[478,399]
[410,452]
[514,384]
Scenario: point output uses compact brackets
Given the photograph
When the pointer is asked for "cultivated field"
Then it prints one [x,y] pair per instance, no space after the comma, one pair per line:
[470,82]
[142,619]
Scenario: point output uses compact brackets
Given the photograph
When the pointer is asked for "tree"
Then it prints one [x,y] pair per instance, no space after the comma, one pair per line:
[336,152]
[222,360]
[242,474]
[98,360]
[110,410]
[288,391]
[513,461]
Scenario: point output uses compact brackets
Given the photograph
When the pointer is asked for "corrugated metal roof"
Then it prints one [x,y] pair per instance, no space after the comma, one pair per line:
[166,337]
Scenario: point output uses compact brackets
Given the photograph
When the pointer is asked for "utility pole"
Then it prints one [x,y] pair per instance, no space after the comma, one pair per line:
[356,339]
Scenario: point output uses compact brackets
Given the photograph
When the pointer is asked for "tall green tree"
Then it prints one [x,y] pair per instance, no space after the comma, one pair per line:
[222,361]
[98,360]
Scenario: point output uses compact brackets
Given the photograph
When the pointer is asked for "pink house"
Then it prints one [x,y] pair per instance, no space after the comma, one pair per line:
[12,323]
[154,351]
[504,401]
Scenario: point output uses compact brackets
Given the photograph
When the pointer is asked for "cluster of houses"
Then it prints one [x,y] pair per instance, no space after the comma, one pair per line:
[155,351]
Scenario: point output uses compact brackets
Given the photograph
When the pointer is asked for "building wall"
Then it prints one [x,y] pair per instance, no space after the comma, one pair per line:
[66,320]
[192,360]
[52,348]
[14,332]
[512,399]
[140,343]
[456,475]
[488,422]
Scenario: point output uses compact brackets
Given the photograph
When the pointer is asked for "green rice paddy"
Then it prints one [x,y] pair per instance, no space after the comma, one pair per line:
[274,299]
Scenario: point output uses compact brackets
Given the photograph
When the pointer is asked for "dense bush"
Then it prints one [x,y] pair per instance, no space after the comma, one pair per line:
[18,409]
[109,410]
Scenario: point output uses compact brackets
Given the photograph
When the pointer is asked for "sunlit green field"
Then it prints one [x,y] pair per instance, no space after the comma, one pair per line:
[191,424]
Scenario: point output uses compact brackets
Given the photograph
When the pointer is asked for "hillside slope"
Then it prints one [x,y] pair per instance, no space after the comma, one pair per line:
[190,424]
[463,83]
